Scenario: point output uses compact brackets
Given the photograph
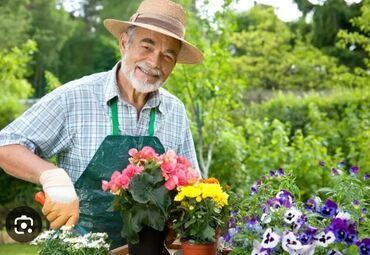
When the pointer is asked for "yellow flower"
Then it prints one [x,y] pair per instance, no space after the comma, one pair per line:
[198,199]
[191,208]
[188,191]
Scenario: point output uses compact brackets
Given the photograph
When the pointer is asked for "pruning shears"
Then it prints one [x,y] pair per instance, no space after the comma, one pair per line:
[40,198]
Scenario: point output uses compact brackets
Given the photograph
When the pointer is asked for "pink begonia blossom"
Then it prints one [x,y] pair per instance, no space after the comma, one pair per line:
[171,183]
[143,156]
[176,170]
[132,152]
[105,185]
[125,181]
[168,167]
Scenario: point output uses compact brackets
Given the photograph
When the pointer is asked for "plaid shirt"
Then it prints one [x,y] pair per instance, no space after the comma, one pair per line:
[73,120]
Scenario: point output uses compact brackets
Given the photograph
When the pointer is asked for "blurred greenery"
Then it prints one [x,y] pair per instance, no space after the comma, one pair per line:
[18,249]
[269,94]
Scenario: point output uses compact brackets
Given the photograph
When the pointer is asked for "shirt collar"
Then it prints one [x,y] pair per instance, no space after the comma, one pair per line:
[111,91]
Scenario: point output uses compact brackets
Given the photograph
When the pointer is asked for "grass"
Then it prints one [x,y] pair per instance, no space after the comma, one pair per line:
[18,249]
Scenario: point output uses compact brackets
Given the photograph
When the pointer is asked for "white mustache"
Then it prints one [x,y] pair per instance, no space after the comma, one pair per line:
[150,70]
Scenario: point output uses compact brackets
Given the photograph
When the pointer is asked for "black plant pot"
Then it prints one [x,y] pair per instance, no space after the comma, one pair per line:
[151,242]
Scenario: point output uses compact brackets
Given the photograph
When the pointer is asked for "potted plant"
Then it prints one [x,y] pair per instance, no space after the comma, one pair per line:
[143,193]
[199,211]
[67,241]
[273,219]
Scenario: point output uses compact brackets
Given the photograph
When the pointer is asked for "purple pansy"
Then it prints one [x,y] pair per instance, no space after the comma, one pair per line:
[340,229]
[352,234]
[312,204]
[230,233]
[252,223]
[280,171]
[272,173]
[366,176]
[231,222]
[321,163]
[353,171]
[307,236]
[274,203]
[364,246]
[329,209]
[356,203]
[340,164]
[334,171]
[364,211]
[285,198]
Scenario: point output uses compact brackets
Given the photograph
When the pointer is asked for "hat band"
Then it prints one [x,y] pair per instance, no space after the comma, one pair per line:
[170,26]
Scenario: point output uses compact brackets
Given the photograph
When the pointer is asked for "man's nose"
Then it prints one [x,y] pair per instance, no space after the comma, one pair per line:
[154,60]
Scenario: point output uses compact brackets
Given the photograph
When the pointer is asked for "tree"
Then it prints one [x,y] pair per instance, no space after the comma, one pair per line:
[271,57]
[210,92]
[327,20]
[91,34]
[14,67]
[15,23]
[50,28]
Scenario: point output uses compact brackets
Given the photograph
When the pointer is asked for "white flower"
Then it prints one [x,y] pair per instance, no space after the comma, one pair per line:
[324,239]
[266,218]
[290,243]
[308,249]
[257,249]
[343,215]
[270,239]
[292,215]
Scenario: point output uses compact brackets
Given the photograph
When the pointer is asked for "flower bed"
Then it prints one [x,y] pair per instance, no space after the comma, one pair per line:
[273,219]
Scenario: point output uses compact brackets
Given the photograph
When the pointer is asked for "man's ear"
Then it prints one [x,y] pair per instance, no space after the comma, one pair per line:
[123,40]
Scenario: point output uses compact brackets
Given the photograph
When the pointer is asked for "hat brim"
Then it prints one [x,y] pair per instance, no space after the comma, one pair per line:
[188,54]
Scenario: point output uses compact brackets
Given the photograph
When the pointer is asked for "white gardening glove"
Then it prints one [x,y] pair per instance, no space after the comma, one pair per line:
[61,202]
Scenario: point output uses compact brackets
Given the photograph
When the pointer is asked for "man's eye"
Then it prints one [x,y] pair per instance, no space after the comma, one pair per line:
[169,58]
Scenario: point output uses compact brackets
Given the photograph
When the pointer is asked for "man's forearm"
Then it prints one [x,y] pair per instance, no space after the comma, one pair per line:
[22,163]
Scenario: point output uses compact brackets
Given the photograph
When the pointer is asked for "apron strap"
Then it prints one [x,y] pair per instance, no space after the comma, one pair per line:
[151,122]
[115,123]
[114,109]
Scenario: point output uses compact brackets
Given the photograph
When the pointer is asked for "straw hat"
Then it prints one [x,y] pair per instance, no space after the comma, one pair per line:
[165,17]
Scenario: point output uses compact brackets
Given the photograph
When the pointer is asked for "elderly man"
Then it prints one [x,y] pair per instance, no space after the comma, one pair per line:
[91,123]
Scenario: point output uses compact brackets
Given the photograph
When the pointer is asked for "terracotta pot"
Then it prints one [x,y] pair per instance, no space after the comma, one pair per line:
[198,249]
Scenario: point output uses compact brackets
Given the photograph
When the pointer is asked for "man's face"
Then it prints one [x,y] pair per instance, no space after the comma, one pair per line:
[148,59]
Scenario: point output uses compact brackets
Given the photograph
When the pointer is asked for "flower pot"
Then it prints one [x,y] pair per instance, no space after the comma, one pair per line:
[198,249]
[151,242]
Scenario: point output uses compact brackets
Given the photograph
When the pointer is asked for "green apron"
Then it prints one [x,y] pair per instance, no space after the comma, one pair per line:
[112,155]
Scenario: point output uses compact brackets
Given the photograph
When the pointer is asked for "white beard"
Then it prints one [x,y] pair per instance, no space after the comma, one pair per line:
[142,86]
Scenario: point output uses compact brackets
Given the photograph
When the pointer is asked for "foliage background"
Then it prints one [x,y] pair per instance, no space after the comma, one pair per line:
[270,93]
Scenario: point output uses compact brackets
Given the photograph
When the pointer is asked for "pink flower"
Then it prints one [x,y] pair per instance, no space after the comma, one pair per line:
[105,185]
[115,179]
[132,152]
[148,153]
[143,156]
[183,161]
[132,170]
[168,167]
[114,188]
[171,183]
[125,181]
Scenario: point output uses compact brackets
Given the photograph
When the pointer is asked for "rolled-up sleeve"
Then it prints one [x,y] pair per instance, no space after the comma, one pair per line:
[42,128]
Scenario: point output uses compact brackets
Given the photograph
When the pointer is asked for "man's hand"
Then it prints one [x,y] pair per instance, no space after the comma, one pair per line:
[61,204]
